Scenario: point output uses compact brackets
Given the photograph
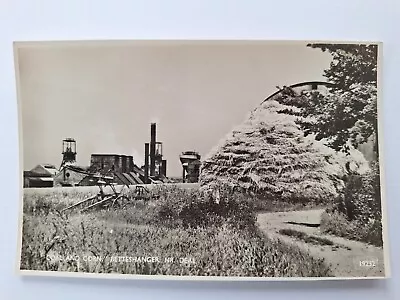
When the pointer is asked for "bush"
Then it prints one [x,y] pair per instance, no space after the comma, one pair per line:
[336,223]
[193,209]
[361,199]
[357,214]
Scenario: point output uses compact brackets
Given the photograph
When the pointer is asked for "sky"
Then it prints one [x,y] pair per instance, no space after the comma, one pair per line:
[105,95]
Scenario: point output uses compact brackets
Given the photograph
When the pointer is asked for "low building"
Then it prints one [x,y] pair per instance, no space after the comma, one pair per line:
[70,175]
[40,176]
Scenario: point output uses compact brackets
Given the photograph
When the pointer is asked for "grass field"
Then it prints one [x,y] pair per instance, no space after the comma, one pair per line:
[181,233]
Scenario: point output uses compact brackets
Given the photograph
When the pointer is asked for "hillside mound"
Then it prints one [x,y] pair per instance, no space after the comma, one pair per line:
[269,155]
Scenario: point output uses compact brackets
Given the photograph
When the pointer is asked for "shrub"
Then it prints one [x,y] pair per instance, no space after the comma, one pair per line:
[336,223]
[194,209]
[361,199]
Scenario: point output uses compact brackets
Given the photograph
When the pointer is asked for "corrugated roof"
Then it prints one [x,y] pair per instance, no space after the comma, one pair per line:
[52,170]
[36,174]
[122,178]
[130,179]
[137,179]
[138,170]
[45,170]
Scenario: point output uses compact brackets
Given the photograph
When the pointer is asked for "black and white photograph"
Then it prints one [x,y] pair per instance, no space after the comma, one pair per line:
[184,159]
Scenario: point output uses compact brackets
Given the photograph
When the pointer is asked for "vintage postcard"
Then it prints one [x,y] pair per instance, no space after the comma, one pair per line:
[206,160]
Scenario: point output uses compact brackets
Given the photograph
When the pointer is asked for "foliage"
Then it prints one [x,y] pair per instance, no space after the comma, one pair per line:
[193,209]
[346,117]
[57,242]
[349,111]
[346,114]
[357,214]
[352,63]
[336,223]
[362,197]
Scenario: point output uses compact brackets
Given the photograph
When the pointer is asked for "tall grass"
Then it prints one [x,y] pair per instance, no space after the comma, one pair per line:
[219,238]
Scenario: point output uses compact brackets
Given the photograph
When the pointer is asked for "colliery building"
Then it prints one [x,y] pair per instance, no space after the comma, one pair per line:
[121,168]
[40,176]
[104,163]
[70,175]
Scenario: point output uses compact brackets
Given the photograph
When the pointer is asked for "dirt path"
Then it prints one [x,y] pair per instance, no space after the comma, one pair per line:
[343,255]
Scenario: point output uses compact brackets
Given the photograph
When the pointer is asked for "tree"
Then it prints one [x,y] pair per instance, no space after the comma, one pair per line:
[348,113]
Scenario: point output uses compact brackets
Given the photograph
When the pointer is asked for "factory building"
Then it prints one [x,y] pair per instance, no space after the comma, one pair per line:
[121,167]
[104,163]
[70,175]
[40,176]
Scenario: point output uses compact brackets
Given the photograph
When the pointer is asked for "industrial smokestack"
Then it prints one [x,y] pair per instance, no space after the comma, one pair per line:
[146,163]
[153,149]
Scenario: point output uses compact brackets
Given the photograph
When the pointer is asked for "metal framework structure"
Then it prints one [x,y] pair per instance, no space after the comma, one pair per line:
[114,199]
[68,152]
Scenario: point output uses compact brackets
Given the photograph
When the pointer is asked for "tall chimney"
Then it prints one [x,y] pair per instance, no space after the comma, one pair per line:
[153,149]
[146,163]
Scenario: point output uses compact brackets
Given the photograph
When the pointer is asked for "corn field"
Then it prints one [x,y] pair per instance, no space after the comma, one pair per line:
[181,233]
